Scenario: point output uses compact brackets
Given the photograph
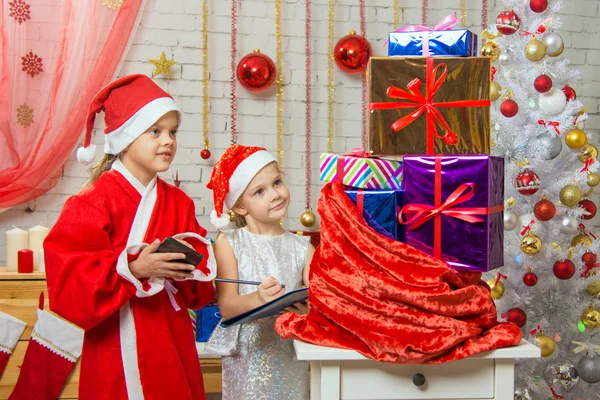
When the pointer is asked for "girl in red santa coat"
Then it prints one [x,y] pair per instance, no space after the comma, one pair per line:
[257,364]
[103,271]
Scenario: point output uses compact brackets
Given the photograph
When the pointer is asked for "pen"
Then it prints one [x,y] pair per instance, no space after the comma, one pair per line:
[240,282]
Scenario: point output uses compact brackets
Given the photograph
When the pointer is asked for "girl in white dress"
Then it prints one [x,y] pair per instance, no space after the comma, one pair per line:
[257,363]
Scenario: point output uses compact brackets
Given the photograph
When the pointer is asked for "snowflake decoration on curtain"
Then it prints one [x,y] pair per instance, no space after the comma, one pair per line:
[19,10]
[113,4]
[24,115]
[32,64]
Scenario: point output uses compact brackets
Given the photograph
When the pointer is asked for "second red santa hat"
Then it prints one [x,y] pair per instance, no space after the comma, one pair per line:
[232,175]
[131,105]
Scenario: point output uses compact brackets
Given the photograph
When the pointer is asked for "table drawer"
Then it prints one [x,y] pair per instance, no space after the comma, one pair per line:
[464,379]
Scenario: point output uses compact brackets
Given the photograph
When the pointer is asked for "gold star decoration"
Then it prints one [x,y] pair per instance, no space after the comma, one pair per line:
[113,4]
[162,65]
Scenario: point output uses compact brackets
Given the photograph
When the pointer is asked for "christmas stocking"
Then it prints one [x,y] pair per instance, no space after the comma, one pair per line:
[11,329]
[53,350]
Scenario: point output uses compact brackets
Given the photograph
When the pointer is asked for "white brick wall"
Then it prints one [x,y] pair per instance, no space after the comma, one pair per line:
[175,27]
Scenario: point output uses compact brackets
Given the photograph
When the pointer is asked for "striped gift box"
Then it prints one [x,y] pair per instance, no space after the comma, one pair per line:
[362,172]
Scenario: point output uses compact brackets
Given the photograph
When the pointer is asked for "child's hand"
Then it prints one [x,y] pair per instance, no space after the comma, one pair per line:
[298,308]
[150,264]
[269,290]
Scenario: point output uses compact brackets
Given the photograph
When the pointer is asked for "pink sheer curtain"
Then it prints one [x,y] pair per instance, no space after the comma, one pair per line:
[54,56]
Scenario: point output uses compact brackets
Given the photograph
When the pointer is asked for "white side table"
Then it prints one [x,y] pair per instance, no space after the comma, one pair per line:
[345,374]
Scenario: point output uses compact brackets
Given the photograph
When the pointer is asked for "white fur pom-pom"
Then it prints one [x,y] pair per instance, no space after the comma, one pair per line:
[86,155]
[221,222]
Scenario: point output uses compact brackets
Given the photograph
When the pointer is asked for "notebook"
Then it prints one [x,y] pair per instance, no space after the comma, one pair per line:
[268,309]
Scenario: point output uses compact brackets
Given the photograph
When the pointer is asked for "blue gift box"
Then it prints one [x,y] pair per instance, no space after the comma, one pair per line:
[207,320]
[455,43]
[380,210]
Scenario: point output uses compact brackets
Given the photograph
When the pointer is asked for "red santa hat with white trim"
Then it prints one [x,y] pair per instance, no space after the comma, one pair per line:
[131,105]
[232,175]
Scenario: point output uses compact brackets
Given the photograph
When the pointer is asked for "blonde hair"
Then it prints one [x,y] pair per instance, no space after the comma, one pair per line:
[239,220]
[105,164]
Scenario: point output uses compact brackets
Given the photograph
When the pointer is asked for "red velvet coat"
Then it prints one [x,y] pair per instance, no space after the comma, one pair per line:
[137,345]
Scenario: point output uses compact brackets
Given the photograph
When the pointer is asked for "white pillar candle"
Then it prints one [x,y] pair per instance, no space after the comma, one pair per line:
[37,234]
[16,239]
[41,261]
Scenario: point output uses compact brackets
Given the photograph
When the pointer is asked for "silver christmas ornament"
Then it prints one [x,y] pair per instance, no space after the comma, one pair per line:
[505,58]
[568,224]
[554,44]
[510,220]
[589,367]
[563,375]
[522,394]
[550,143]
[553,101]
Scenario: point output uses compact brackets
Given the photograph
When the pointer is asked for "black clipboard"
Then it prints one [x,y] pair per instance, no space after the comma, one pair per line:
[268,309]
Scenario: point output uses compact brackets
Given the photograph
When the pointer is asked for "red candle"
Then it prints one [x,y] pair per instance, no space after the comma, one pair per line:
[25,261]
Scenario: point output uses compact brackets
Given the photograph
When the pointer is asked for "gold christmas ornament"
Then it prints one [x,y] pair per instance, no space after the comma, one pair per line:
[535,50]
[497,291]
[308,219]
[593,179]
[593,288]
[531,244]
[491,50]
[590,317]
[581,239]
[570,195]
[576,138]
[162,65]
[588,151]
[495,89]
[546,344]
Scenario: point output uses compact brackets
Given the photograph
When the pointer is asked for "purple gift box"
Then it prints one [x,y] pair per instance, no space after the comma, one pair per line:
[453,207]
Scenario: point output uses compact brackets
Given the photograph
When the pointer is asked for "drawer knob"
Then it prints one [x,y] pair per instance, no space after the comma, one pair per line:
[419,380]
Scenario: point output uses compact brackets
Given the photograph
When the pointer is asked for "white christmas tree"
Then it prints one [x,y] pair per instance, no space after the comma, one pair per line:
[550,167]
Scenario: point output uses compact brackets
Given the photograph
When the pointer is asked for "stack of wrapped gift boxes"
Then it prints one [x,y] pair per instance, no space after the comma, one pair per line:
[426,178]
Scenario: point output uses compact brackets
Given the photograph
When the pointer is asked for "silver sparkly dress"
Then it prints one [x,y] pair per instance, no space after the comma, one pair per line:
[257,363]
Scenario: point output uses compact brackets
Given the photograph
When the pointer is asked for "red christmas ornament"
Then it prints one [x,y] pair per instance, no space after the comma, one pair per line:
[530,279]
[564,269]
[527,182]
[508,22]
[516,316]
[542,83]
[256,71]
[588,206]
[544,209]
[589,258]
[509,108]
[205,154]
[538,6]
[569,92]
[352,53]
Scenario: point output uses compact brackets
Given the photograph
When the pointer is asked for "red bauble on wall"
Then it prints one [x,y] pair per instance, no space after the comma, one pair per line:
[509,108]
[256,71]
[516,316]
[352,53]
[588,206]
[530,279]
[538,6]
[564,269]
[569,93]
[508,22]
[205,154]
[542,83]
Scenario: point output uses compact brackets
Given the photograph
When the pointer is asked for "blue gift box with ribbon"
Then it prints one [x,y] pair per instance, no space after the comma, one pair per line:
[439,41]
[380,210]
[207,320]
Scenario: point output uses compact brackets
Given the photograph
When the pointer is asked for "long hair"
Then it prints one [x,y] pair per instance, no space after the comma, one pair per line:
[105,164]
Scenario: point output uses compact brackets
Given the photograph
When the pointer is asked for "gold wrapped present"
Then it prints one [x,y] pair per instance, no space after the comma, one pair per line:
[433,105]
